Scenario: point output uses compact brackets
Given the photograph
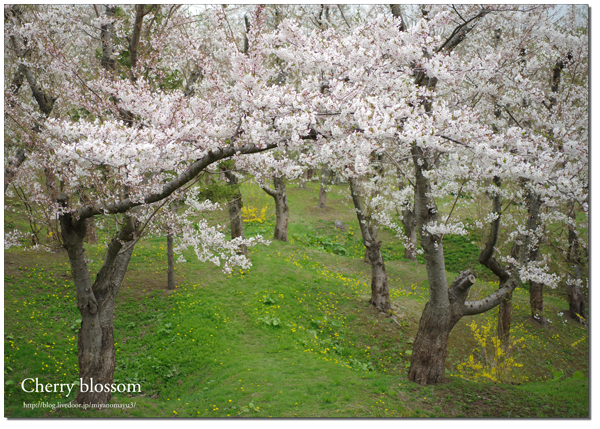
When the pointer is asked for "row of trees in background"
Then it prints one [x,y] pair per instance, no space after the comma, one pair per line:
[126,109]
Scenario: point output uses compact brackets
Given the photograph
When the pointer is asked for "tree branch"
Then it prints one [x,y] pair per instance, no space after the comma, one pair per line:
[492,300]
[173,185]
[269,191]
[486,256]
[134,42]
[459,33]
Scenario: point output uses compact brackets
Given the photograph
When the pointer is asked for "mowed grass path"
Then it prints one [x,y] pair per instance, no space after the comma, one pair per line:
[294,336]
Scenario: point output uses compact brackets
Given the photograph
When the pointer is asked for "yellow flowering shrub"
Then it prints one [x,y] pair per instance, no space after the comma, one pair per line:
[254,214]
[257,205]
[496,363]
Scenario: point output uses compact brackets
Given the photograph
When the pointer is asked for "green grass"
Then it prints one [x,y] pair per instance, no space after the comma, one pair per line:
[294,336]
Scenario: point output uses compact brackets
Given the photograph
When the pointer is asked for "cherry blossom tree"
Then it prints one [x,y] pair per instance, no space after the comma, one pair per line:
[485,100]
[430,94]
[545,65]
[128,136]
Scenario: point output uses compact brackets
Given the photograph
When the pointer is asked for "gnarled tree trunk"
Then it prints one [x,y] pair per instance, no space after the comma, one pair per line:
[446,305]
[380,291]
[431,344]
[372,230]
[430,348]
[96,304]
[437,321]
[281,207]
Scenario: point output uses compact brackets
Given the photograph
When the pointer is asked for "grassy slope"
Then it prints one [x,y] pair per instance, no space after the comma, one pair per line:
[293,336]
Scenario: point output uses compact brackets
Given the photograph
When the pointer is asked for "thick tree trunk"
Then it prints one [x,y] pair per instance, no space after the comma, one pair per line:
[446,305]
[97,366]
[170,263]
[235,211]
[380,291]
[430,349]
[323,190]
[235,217]
[431,346]
[96,304]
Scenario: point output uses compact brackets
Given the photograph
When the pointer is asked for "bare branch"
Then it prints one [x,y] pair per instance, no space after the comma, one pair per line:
[491,301]
[269,191]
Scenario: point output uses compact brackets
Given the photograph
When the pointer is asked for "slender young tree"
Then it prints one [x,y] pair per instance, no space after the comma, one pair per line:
[282,210]
[380,290]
